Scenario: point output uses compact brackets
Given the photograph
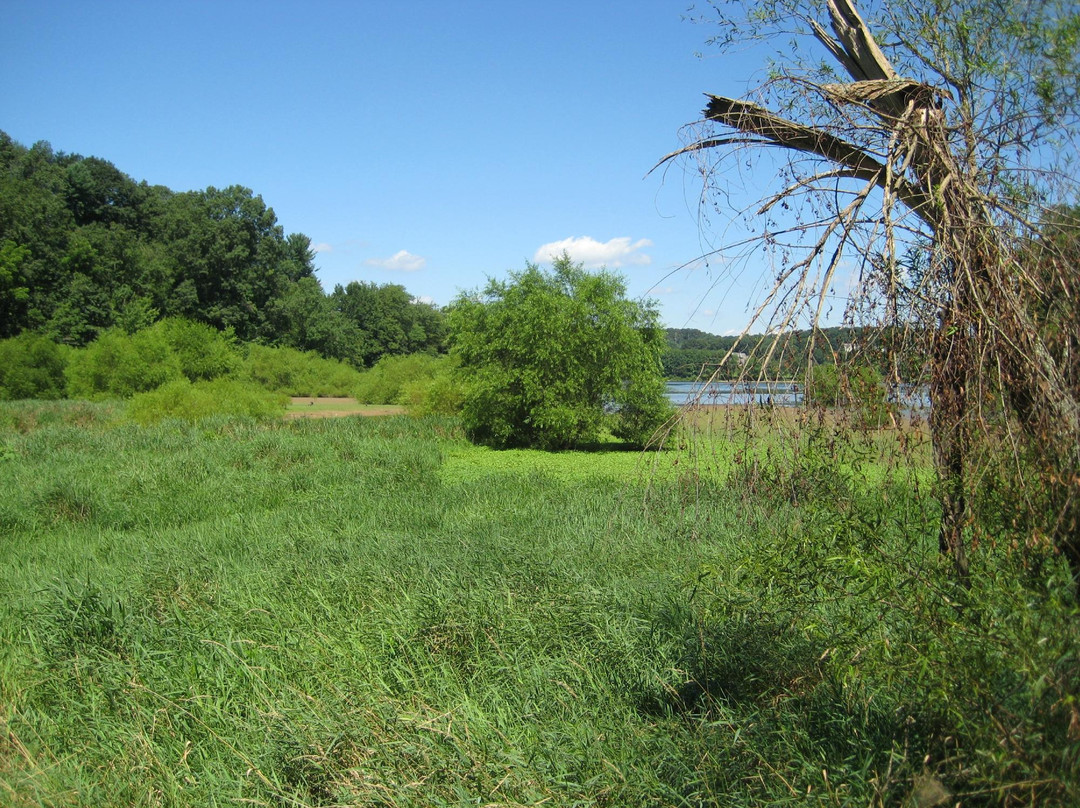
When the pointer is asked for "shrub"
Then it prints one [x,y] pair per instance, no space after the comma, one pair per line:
[118,365]
[644,409]
[440,393]
[201,350]
[183,399]
[397,379]
[861,389]
[823,386]
[31,366]
[298,373]
[551,357]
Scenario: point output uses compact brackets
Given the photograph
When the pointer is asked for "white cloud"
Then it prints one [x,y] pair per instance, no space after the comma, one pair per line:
[401,261]
[614,253]
[322,247]
[424,299]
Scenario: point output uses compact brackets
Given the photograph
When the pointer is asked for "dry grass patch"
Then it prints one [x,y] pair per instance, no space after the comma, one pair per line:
[336,407]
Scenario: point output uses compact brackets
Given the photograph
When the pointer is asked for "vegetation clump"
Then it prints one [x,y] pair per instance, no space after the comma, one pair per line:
[31,366]
[193,401]
[424,383]
[551,359]
[297,373]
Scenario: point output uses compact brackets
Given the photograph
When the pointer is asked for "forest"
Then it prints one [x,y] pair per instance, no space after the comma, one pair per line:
[85,248]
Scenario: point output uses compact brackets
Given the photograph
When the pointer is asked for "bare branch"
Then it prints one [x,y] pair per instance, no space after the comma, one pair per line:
[756,120]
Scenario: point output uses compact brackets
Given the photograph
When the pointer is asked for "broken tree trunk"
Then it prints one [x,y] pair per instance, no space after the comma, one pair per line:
[980,300]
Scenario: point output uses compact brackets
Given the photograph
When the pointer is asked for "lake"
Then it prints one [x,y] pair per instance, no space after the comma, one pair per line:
[780,394]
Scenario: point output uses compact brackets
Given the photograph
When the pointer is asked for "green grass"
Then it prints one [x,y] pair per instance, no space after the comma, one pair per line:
[373,612]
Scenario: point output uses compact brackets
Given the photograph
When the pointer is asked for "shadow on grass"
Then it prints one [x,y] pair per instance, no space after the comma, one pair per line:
[752,681]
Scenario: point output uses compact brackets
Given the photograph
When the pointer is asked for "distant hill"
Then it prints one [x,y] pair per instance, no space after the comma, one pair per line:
[691,353]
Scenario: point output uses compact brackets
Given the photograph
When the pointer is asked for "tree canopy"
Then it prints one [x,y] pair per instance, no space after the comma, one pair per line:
[550,357]
[85,248]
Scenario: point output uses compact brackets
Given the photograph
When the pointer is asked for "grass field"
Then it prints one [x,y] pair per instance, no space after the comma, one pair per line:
[361,611]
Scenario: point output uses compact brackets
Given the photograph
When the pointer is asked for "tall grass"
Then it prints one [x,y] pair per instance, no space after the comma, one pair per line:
[371,612]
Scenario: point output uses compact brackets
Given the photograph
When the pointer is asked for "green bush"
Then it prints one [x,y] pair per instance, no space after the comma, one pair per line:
[867,390]
[119,365]
[298,373]
[183,399]
[440,393]
[823,386]
[31,366]
[860,389]
[202,351]
[551,358]
[644,409]
[400,379]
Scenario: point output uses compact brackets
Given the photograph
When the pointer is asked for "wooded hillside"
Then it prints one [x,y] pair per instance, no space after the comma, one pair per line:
[84,248]
[692,353]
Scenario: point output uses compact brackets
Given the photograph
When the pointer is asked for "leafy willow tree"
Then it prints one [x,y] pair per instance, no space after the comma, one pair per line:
[547,357]
[945,130]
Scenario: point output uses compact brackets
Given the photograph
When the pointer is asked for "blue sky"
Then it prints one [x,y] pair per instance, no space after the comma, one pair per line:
[431,144]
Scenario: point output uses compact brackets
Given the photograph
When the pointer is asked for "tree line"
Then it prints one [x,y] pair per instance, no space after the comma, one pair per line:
[692,354]
[84,248]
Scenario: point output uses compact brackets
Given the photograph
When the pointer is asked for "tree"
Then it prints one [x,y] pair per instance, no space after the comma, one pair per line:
[547,356]
[14,291]
[303,317]
[99,192]
[34,218]
[228,249]
[388,320]
[950,138]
